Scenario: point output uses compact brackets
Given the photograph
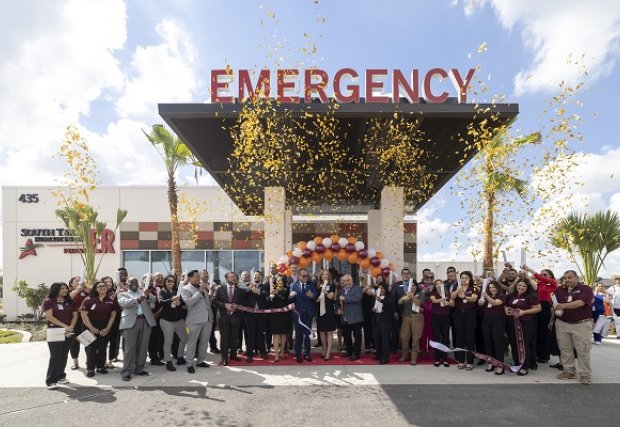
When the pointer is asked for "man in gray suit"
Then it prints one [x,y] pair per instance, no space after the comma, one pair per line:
[350,298]
[199,320]
[136,323]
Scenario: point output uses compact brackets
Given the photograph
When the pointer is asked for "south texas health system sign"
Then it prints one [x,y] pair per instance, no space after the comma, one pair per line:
[345,85]
[37,237]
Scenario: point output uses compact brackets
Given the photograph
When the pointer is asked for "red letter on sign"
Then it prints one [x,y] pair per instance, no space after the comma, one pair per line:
[427,86]
[462,86]
[354,95]
[107,241]
[411,92]
[319,87]
[263,85]
[216,85]
[371,85]
[283,85]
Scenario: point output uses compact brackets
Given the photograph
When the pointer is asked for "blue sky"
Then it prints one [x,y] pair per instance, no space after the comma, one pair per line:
[104,65]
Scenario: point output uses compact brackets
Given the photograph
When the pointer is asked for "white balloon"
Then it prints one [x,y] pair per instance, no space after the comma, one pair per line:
[284,259]
[297,252]
[327,242]
[311,245]
[343,242]
[384,263]
[359,246]
[372,253]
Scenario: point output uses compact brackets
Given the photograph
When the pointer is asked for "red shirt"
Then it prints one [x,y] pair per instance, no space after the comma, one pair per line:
[461,304]
[495,310]
[546,286]
[523,302]
[578,293]
[99,310]
[437,309]
[62,311]
[78,300]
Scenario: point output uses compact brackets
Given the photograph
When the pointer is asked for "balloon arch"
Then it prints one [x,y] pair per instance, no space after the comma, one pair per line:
[317,253]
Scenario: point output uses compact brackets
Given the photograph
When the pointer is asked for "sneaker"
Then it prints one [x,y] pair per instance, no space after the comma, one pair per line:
[597,343]
[566,375]
[52,386]
[585,380]
[63,381]
[170,366]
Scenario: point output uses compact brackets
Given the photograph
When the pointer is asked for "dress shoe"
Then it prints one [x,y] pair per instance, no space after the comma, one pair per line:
[383,362]
[298,359]
[263,355]
[126,378]
[170,366]
[203,365]
[157,362]
[308,358]
[235,358]
[181,361]
[143,373]
[249,359]
[102,371]
[215,350]
[355,357]
[191,370]
[90,374]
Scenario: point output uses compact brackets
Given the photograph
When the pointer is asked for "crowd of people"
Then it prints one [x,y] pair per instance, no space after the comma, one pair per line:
[539,318]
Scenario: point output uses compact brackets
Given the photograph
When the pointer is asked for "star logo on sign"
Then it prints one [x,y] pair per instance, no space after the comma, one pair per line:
[29,249]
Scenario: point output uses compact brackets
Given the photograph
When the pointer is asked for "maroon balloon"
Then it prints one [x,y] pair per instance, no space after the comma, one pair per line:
[307,253]
[386,271]
[294,260]
[282,269]
[350,247]
[335,247]
[376,262]
[320,249]
[363,253]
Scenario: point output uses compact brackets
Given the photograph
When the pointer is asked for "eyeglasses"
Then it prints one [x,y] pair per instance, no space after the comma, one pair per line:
[102,285]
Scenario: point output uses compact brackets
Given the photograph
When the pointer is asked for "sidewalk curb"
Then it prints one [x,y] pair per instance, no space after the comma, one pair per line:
[26,336]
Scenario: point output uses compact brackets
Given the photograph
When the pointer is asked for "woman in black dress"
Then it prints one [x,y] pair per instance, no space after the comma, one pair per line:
[279,322]
[326,322]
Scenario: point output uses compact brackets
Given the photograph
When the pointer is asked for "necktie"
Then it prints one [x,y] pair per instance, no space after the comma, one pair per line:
[303,287]
[230,293]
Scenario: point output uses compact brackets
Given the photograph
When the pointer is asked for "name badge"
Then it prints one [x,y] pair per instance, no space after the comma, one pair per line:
[152,305]
[92,307]
[515,302]
[60,307]
[569,299]
[489,305]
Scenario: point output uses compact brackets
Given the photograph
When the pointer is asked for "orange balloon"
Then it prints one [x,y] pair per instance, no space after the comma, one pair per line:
[375,271]
[342,254]
[301,245]
[352,240]
[365,263]
[304,262]
[289,254]
[288,270]
[391,266]
[316,257]
[328,255]
[334,238]
[353,258]
[379,255]
[318,240]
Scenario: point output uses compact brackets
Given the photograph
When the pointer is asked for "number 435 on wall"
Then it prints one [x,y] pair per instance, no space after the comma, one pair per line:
[29,198]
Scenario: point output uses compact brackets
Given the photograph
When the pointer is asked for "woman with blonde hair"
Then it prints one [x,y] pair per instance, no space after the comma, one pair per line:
[326,312]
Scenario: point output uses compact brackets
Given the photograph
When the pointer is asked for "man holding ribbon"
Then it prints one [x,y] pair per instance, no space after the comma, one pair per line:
[199,320]
[304,293]
[226,297]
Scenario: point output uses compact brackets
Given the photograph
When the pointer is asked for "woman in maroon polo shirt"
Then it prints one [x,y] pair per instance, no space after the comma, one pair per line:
[523,305]
[114,335]
[493,324]
[440,320]
[60,313]
[98,314]
[547,284]
[78,293]
[464,319]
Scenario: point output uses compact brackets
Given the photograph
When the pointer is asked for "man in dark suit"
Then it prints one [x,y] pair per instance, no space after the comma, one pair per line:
[304,293]
[350,297]
[256,323]
[230,318]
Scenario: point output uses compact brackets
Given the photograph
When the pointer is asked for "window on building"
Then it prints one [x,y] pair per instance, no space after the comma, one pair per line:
[136,262]
[247,261]
[193,260]
[161,261]
[219,263]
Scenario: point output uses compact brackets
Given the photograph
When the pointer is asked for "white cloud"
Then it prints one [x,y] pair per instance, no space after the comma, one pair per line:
[555,29]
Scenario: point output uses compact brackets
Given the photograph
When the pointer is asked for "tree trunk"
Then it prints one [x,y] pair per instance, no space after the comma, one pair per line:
[173,201]
[487,250]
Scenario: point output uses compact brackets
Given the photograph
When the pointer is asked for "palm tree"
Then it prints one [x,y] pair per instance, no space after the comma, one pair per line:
[498,177]
[589,237]
[174,153]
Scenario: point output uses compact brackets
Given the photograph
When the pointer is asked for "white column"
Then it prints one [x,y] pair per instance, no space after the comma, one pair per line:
[392,223]
[277,226]
[375,241]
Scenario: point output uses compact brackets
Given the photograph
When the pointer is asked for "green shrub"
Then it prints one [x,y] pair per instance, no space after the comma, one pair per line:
[34,297]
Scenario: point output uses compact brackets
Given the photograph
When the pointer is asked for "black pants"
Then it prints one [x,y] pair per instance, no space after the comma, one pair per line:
[395,334]
[480,347]
[59,353]
[75,344]
[156,343]
[369,331]
[115,338]
[543,338]
[529,340]
[381,339]
[241,333]
[229,331]
[353,338]
[464,334]
[493,329]
[441,333]
[96,351]
[212,338]
[255,339]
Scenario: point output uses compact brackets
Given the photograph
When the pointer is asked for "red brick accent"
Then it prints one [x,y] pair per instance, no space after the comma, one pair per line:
[411,227]
[164,244]
[257,235]
[147,226]
[205,235]
[241,244]
[130,244]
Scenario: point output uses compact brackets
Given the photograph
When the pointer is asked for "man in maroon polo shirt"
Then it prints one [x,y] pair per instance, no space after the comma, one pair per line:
[573,327]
